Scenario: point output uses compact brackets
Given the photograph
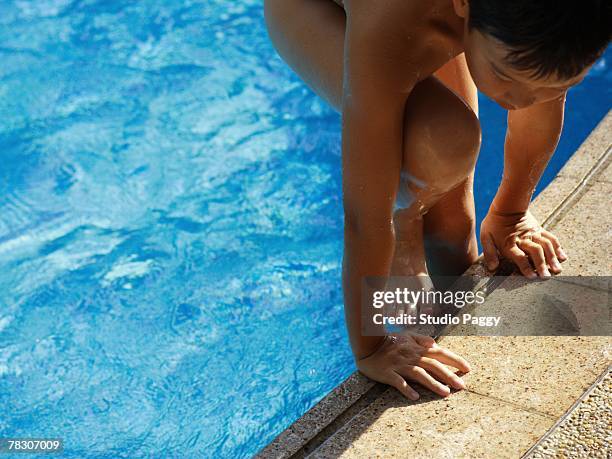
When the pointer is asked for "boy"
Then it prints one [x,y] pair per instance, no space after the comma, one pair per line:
[404,75]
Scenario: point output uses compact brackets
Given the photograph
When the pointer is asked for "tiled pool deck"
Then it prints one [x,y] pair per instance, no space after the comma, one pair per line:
[525,394]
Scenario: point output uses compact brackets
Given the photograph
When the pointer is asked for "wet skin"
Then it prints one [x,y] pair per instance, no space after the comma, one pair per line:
[405,78]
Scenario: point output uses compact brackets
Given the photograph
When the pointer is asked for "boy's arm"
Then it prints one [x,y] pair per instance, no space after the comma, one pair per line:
[374,97]
[531,139]
[375,91]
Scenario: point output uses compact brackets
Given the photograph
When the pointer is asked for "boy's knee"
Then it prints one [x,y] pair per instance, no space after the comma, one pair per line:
[455,143]
[442,137]
[468,136]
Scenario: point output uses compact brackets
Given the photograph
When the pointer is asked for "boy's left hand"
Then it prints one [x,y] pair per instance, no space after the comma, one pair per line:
[520,238]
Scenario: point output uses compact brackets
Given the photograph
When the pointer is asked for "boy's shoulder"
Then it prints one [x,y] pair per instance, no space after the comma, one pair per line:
[426,34]
[388,13]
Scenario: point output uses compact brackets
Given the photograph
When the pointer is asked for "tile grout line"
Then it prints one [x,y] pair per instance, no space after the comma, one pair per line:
[513,404]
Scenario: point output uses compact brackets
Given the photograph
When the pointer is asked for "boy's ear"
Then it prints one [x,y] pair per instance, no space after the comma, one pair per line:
[461,8]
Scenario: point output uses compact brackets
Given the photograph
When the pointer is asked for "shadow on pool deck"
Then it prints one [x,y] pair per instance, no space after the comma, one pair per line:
[519,386]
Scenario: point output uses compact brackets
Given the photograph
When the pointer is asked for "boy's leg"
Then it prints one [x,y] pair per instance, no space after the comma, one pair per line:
[309,35]
[450,225]
[450,233]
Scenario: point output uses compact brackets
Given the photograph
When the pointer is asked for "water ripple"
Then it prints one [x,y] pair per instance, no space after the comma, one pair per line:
[171,227]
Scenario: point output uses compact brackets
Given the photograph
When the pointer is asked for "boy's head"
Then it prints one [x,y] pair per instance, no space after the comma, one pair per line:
[522,52]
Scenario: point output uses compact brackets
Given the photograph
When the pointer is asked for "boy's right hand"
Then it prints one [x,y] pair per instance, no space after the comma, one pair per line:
[416,358]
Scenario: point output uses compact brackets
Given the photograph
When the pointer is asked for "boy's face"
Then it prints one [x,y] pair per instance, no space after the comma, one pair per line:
[510,88]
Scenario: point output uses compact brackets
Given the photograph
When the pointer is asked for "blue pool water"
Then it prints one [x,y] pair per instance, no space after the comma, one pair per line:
[171,227]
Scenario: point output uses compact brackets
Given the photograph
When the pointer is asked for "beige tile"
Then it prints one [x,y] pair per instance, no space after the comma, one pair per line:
[591,150]
[552,196]
[560,306]
[585,232]
[462,425]
[543,373]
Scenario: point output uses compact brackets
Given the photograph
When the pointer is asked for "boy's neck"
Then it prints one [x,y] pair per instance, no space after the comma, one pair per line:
[451,25]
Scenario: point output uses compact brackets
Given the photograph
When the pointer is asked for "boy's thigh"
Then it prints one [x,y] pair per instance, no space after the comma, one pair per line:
[449,231]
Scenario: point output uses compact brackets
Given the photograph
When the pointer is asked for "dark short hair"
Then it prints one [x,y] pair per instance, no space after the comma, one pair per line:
[546,37]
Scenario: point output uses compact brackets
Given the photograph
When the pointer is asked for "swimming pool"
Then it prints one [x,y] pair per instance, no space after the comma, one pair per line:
[171,227]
